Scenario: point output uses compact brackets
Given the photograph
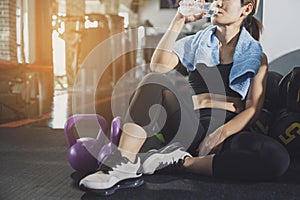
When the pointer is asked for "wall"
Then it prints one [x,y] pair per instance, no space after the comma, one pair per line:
[160,18]
[8,46]
[281,27]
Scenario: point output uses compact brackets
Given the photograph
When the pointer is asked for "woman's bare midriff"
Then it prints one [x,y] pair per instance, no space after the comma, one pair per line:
[207,100]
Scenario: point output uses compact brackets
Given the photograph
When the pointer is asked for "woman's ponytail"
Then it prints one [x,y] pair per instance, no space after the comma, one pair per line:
[253,25]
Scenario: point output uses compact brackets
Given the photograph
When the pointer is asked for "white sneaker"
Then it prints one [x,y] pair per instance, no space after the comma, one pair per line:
[117,169]
[171,155]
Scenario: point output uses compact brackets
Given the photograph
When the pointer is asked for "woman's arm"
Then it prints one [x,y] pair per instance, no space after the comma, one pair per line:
[164,59]
[254,104]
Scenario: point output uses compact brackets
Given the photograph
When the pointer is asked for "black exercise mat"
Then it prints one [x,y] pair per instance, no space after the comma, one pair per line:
[33,165]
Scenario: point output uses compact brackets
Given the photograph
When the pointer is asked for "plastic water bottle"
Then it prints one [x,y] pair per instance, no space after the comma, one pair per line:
[193,7]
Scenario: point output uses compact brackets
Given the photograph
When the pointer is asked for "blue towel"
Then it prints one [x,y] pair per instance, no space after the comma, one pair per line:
[203,47]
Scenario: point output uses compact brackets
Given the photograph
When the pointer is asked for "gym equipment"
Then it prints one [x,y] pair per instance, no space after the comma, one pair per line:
[114,140]
[262,124]
[293,91]
[272,98]
[283,88]
[82,152]
[286,130]
[85,154]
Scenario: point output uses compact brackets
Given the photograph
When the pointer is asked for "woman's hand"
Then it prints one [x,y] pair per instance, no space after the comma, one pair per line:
[192,18]
[188,19]
[212,143]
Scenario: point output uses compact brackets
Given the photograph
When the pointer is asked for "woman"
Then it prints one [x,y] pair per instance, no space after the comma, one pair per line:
[215,134]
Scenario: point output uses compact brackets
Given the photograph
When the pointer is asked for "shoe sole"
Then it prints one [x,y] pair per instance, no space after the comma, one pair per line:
[129,183]
[93,185]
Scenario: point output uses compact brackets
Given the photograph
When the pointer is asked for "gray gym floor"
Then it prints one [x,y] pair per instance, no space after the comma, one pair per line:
[33,165]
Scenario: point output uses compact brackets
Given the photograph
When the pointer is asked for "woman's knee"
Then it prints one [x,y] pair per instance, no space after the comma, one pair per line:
[270,158]
[277,158]
[154,78]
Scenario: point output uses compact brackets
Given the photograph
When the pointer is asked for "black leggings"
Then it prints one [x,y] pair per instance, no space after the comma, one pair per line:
[160,107]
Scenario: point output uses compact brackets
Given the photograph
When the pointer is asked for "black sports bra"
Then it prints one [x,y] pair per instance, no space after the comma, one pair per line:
[213,80]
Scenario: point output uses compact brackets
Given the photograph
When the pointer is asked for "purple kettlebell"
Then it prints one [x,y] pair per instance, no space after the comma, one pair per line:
[82,152]
[114,140]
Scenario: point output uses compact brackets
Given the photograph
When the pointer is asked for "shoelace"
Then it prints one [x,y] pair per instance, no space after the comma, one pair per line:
[171,165]
[112,161]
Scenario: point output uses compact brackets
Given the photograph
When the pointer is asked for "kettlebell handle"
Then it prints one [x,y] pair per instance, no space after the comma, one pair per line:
[115,133]
[70,136]
[115,130]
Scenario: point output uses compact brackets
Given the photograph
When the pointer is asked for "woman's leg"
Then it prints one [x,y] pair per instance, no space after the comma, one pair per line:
[157,106]
[245,156]
[250,156]
[210,119]
[124,164]
[132,139]
[199,165]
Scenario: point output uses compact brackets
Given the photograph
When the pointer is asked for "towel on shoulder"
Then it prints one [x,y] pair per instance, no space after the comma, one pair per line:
[203,47]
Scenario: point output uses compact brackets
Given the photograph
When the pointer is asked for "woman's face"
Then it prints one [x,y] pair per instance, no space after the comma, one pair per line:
[230,12]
